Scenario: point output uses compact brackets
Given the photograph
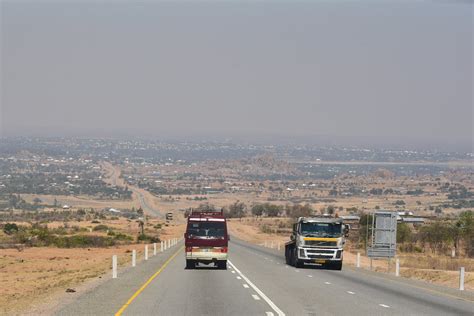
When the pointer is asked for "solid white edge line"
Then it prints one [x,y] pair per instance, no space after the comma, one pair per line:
[266,299]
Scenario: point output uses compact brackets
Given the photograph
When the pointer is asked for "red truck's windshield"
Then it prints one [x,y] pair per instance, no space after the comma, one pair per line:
[206,229]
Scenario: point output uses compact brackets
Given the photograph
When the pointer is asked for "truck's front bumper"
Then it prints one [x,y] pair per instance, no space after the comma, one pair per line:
[319,255]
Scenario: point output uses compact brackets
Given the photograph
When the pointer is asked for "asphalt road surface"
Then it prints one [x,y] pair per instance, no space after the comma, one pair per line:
[258,282]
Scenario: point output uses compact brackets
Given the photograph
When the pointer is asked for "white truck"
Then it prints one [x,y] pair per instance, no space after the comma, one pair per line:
[317,240]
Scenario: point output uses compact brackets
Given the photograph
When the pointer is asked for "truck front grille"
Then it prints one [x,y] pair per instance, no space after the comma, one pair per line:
[320,243]
[319,253]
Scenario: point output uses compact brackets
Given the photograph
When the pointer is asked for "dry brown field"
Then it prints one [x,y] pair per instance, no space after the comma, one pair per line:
[39,276]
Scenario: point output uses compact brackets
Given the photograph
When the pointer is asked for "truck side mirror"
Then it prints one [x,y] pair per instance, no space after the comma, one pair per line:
[346,230]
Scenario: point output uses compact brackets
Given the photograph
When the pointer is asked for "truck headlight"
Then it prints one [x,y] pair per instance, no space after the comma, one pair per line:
[302,253]
[300,243]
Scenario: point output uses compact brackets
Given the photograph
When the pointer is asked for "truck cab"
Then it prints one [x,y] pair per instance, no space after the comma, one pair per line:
[316,240]
[206,239]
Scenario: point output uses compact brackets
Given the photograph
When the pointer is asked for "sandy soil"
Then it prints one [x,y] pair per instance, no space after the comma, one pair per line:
[36,275]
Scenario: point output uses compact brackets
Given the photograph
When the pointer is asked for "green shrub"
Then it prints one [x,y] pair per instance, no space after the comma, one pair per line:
[123,237]
[82,241]
[147,238]
[266,229]
[100,228]
[10,228]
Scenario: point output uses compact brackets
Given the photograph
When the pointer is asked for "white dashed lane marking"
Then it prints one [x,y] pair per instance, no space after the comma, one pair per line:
[239,278]
[269,313]
[232,271]
[310,276]
[255,297]
[350,292]
[275,308]
[245,286]
[327,283]
[383,305]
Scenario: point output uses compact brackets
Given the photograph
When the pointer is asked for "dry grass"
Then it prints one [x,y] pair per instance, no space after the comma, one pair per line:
[31,276]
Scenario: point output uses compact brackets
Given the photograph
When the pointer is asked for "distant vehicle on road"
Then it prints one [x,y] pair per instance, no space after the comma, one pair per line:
[316,240]
[206,239]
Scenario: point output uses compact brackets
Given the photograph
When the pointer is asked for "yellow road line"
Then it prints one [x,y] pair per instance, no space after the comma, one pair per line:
[134,296]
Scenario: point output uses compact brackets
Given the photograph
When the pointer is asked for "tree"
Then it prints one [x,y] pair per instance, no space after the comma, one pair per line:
[272,210]
[298,210]
[141,226]
[10,228]
[403,233]
[436,234]
[331,209]
[466,227]
[237,210]
[257,210]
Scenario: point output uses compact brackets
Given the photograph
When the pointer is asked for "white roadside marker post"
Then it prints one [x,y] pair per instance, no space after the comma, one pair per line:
[461,279]
[169,243]
[154,248]
[397,267]
[358,260]
[114,266]
[146,252]
[134,258]
[165,244]
[278,247]
[161,244]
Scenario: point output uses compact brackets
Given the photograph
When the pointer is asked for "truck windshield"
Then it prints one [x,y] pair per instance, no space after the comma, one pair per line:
[206,229]
[321,229]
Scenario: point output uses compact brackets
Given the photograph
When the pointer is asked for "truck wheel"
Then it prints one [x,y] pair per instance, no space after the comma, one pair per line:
[190,264]
[336,265]
[299,263]
[287,256]
[222,265]
[294,259]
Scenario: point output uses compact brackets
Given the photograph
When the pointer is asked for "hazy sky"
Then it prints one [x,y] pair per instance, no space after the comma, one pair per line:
[376,72]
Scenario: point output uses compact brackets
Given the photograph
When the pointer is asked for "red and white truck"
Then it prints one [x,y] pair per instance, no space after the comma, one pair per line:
[206,239]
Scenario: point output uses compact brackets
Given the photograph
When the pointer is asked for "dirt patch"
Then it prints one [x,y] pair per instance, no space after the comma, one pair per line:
[36,275]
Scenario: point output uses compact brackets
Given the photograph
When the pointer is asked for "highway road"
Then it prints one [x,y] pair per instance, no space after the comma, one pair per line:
[258,282]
